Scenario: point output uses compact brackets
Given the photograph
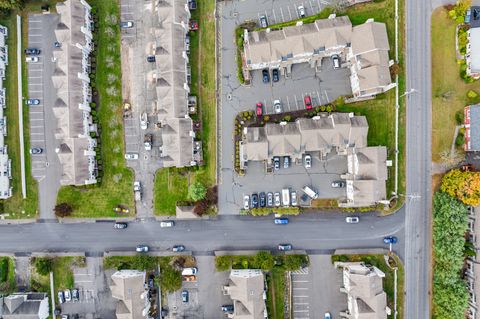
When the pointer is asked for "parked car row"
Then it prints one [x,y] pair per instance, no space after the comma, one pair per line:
[276,161]
[67,295]
[269,199]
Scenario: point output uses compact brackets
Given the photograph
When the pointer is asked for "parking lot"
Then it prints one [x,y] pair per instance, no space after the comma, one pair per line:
[46,168]
[323,85]
[138,90]
[316,289]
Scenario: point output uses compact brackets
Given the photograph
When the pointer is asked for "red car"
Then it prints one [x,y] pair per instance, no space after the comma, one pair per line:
[259,109]
[308,102]
[193,25]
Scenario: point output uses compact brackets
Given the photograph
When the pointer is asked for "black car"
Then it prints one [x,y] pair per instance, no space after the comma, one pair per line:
[150,281]
[275,75]
[151,58]
[265,76]
[254,200]
[227,308]
[32,51]
[192,4]
[75,294]
[178,248]
[263,199]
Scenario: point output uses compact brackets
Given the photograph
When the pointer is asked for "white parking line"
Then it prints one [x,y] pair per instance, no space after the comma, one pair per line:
[36,112]
[296,101]
[30,28]
[40,141]
[36,84]
[301,303]
[274,16]
[281,13]
[289,13]
[35,70]
[299,288]
[35,35]
[35,77]
[34,21]
[37,126]
[288,103]
[326,95]
[31,133]
[311,7]
[300,281]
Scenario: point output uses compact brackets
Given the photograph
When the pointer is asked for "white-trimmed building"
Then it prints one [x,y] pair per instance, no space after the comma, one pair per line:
[5,162]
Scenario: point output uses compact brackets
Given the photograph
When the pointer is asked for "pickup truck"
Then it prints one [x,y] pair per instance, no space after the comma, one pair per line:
[147,141]
[137,188]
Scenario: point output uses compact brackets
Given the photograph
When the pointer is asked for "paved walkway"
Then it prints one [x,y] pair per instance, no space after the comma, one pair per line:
[22,273]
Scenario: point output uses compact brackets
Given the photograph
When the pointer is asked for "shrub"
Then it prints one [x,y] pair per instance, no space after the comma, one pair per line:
[3,269]
[459,117]
[460,139]
[63,210]
[43,266]
[197,191]
[471,94]
[170,279]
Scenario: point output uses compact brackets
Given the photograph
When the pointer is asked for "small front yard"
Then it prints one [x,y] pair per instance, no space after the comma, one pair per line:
[171,184]
[388,282]
[7,275]
[62,268]
[116,182]
[449,90]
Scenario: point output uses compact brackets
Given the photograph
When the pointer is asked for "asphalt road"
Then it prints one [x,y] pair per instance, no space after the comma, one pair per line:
[313,232]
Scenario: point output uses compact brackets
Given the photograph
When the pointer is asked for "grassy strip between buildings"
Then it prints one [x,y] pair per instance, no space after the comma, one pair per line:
[388,282]
[17,207]
[449,90]
[117,180]
[171,184]
[7,275]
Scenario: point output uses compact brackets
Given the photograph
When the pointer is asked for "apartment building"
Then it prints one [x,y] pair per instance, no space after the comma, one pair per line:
[72,111]
[29,305]
[472,56]
[363,285]
[128,286]
[172,85]
[5,162]
[472,128]
[246,288]
[363,49]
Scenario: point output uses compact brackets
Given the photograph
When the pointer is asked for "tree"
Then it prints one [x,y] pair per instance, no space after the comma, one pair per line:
[264,260]
[43,266]
[63,210]
[201,207]
[294,262]
[465,186]
[197,191]
[7,5]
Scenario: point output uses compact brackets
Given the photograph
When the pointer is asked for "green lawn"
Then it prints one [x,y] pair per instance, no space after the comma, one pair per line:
[388,282]
[17,207]
[116,184]
[449,91]
[276,293]
[7,275]
[171,184]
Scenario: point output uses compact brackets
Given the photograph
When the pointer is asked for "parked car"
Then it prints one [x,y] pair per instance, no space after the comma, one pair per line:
[275,75]
[31,59]
[293,198]
[284,247]
[390,240]
[131,156]
[167,223]
[32,102]
[178,248]
[277,199]
[227,308]
[259,109]
[36,150]
[192,4]
[142,249]
[352,220]
[276,163]
[144,121]
[277,106]
[336,61]
[189,271]
[68,295]
[265,76]
[286,162]
[254,200]
[61,297]
[65,316]
[327,315]
[281,221]
[120,225]
[246,202]
[338,184]
[269,199]
[32,51]
[150,58]
[189,278]
[262,199]
[57,44]
[75,294]
[308,102]
[301,11]
[263,21]
[307,160]
[126,24]
[185,296]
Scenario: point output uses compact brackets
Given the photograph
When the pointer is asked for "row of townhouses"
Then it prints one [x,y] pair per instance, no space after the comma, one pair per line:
[472,271]
[5,162]
[72,110]
[363,49]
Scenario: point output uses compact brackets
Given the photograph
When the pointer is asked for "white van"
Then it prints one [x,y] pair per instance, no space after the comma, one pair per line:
[189,271]
[310,192]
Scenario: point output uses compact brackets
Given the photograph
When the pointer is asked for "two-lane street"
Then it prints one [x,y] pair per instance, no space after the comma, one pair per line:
[315,232]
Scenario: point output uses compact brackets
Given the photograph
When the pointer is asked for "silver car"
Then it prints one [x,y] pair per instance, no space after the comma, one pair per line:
[277,106]
[246,202]
[293,196]
[270,199]
[277,199]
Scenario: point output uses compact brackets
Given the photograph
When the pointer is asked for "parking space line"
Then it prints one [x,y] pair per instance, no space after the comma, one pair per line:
[300,296]
[289,13]
[301,310]
[301,303]
[300,281]
[274,16]
[300,288]
[35,35]
[281,13]
[296,102]
[311,7]
[326,95]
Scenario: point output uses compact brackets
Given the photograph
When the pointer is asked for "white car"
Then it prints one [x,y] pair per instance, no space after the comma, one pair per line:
[31,59]
[352,220]
[277,199]
[308,161]
[293,198]
[68,295]
[168,223]
[301,11]
[246,202]
[143,121]
[277,106]
[131,156]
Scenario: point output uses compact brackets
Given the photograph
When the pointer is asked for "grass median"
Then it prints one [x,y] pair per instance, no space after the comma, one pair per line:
[117,180]
[171,184]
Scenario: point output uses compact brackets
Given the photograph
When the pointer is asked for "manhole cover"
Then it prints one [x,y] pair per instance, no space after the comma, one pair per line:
[229,97]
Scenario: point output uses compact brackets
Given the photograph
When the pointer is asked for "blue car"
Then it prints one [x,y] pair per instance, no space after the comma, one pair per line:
[390,240]
[281,221]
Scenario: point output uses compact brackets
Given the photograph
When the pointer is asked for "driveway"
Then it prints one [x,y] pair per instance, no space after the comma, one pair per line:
[323,87]
[46,168]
